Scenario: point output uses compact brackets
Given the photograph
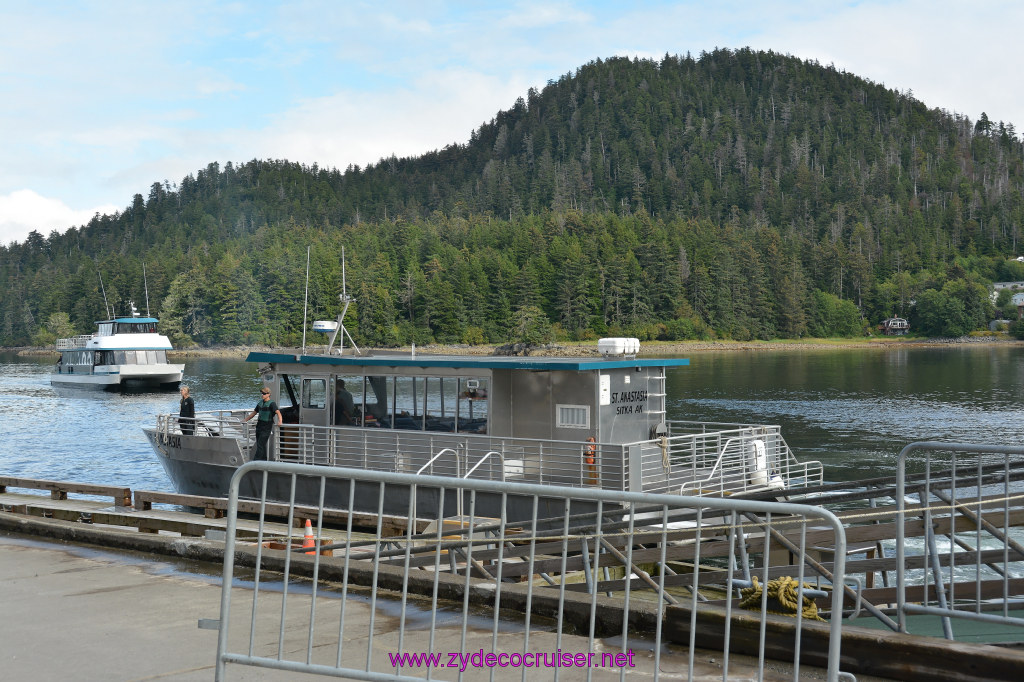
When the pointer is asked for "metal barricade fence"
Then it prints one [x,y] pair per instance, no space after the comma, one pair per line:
[558,579]
[967,562]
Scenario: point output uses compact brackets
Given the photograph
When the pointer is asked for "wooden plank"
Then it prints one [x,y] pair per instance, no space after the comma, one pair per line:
[989,589]
[392,525]
[59,490]
[152,521]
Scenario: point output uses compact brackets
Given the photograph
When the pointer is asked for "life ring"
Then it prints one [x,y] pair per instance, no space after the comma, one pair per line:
[590,450]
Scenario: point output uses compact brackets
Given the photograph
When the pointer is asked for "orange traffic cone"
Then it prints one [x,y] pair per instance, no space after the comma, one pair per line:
[307,540]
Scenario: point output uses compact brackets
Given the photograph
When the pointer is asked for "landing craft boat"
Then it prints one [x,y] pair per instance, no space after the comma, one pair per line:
[596,422]
[123,352]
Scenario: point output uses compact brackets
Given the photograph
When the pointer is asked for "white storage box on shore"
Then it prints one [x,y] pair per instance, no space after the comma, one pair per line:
[325,326]
[618,346]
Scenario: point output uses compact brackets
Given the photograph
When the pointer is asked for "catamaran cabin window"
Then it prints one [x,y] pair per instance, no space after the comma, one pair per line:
[572,416]
[136,328]
[132,357]
[77,357]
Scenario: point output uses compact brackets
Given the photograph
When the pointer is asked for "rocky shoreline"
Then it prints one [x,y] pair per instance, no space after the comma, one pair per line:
[589,348]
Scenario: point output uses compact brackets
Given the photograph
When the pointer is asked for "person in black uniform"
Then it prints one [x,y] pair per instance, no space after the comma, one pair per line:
[344,406]
[187,413]
[269,414]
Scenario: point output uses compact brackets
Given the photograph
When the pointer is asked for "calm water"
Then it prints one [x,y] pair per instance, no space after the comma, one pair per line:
[852,409]
[95,436]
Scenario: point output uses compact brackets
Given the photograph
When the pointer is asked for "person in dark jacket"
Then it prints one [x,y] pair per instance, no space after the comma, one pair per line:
[187,413]
[269,414]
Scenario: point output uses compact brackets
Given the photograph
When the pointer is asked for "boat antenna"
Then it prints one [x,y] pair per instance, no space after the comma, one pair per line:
[106,308]
[347,301]
[146,284]
[305,304]
[339,326]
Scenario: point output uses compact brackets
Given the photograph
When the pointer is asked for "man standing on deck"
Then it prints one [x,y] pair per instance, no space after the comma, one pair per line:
[269,414]
[187,413]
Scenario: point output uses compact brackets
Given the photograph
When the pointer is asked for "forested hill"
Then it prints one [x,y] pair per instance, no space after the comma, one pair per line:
[741,194]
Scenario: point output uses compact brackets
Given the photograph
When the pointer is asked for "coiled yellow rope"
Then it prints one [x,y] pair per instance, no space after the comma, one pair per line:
[782,598]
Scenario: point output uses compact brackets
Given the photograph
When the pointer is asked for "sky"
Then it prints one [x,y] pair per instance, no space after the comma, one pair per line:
[99,100]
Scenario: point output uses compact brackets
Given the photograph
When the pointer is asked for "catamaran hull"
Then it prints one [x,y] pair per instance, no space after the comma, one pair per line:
[200,465]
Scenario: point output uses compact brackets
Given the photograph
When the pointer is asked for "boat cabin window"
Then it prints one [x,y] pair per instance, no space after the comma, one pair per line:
[348,400]
[105,329]
[473,405]
[77,357]
[377,401]
[573,417]
[131,357]
[314,394]
[448,404]
[135,328]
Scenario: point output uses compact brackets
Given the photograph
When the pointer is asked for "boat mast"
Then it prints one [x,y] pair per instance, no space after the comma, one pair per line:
[305,304]
[145,283]
[106,308]
[346,301]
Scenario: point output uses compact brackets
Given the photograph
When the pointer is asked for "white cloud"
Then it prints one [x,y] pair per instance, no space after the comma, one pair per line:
[950,55]
[358,127]
[23,211]
[544,15]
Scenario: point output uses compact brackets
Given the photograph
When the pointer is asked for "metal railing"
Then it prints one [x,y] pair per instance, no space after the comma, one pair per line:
[73,342]
[693,459]
[967,563]
[215,423]
[601,564]
[699,458]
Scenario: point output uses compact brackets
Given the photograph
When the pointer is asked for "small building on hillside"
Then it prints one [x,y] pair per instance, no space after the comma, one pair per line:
[999,286]
[894,326]
[1018,303]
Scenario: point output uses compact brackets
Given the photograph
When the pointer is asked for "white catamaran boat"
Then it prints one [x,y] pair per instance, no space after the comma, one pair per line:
[123,352]
[597,422]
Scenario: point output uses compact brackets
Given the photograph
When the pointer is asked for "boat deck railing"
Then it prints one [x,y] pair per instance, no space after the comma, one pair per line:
[213,423]
[697,458]
[694,458]
[73,342]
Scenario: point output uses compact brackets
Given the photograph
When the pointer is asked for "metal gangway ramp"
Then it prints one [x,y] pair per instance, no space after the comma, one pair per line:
[590,583]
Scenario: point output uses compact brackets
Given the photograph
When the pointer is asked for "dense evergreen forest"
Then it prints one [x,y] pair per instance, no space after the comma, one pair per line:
[737,195]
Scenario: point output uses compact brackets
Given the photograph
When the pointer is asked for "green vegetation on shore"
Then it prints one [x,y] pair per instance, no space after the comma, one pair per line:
[741,195]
